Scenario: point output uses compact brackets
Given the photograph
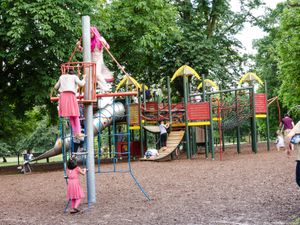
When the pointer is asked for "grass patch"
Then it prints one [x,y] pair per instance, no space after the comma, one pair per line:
[13,161]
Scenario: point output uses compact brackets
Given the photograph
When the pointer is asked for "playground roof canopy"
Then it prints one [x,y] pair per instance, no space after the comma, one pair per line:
[130,81]
[185,71]
[250,77]
[208,83]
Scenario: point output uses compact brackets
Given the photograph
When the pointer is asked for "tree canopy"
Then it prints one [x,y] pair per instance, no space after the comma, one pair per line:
[277,59]
[288,49]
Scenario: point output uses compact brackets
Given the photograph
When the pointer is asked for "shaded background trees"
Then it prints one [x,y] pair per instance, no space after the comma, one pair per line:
[277,59]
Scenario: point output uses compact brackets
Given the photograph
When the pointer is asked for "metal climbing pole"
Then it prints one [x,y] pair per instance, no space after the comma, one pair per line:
[91,187]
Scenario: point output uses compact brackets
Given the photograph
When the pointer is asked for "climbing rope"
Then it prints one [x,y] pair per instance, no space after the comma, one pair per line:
[235,112]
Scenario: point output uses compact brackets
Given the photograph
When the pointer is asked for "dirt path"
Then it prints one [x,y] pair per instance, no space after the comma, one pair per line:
[242,189]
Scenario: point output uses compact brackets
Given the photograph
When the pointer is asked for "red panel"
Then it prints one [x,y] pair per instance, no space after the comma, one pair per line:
[198,111]
[151,106]
[134,148]
[260,103]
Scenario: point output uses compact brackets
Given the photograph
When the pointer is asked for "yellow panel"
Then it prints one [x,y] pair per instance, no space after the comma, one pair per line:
[178,124]
[150,122]
[201,123]
[261,116]
[191,124]
[217,119]
[134,128]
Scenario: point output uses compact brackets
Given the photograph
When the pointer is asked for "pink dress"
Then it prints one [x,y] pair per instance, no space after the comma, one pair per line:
[67,86]
[74,188]
[68,105]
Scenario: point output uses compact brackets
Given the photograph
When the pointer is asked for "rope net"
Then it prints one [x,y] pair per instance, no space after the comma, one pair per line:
[235,111]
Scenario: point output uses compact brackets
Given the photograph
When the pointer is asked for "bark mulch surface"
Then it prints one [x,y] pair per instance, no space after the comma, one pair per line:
[242,189]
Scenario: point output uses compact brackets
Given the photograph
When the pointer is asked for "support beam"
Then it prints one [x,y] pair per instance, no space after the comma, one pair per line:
[91,190]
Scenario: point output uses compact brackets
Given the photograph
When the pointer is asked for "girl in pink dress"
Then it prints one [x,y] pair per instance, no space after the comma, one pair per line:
[68,105]
[103,74]
[74,191]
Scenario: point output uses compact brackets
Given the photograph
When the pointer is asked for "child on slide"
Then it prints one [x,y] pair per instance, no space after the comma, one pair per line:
[163,134]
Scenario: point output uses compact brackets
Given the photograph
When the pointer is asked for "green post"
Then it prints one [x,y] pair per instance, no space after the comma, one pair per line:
[144,104]
[140,122]
[212,145]
[158,110]
[144,97]
[194,140]
[205,127]
[238,129]
[267,117]
[187,136]
[63,150]
[146,141]
[253,124]
[109,142]
[169,102]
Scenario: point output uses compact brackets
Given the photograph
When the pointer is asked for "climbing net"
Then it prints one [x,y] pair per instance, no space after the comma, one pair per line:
[235,111]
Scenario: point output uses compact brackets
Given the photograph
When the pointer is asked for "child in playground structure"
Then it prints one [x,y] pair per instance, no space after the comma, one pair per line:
[74,191]
[151,153]
[163,134]
[103,74]
[68,105]
[279,140]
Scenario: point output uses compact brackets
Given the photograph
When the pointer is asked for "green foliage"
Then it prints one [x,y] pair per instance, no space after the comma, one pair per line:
[277,60]
[154,38]
[209,44]
[5,149]
[266,66]
[36,37]
[289,51]
[38,135]
[138,32]
[42,138]
[32,132]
